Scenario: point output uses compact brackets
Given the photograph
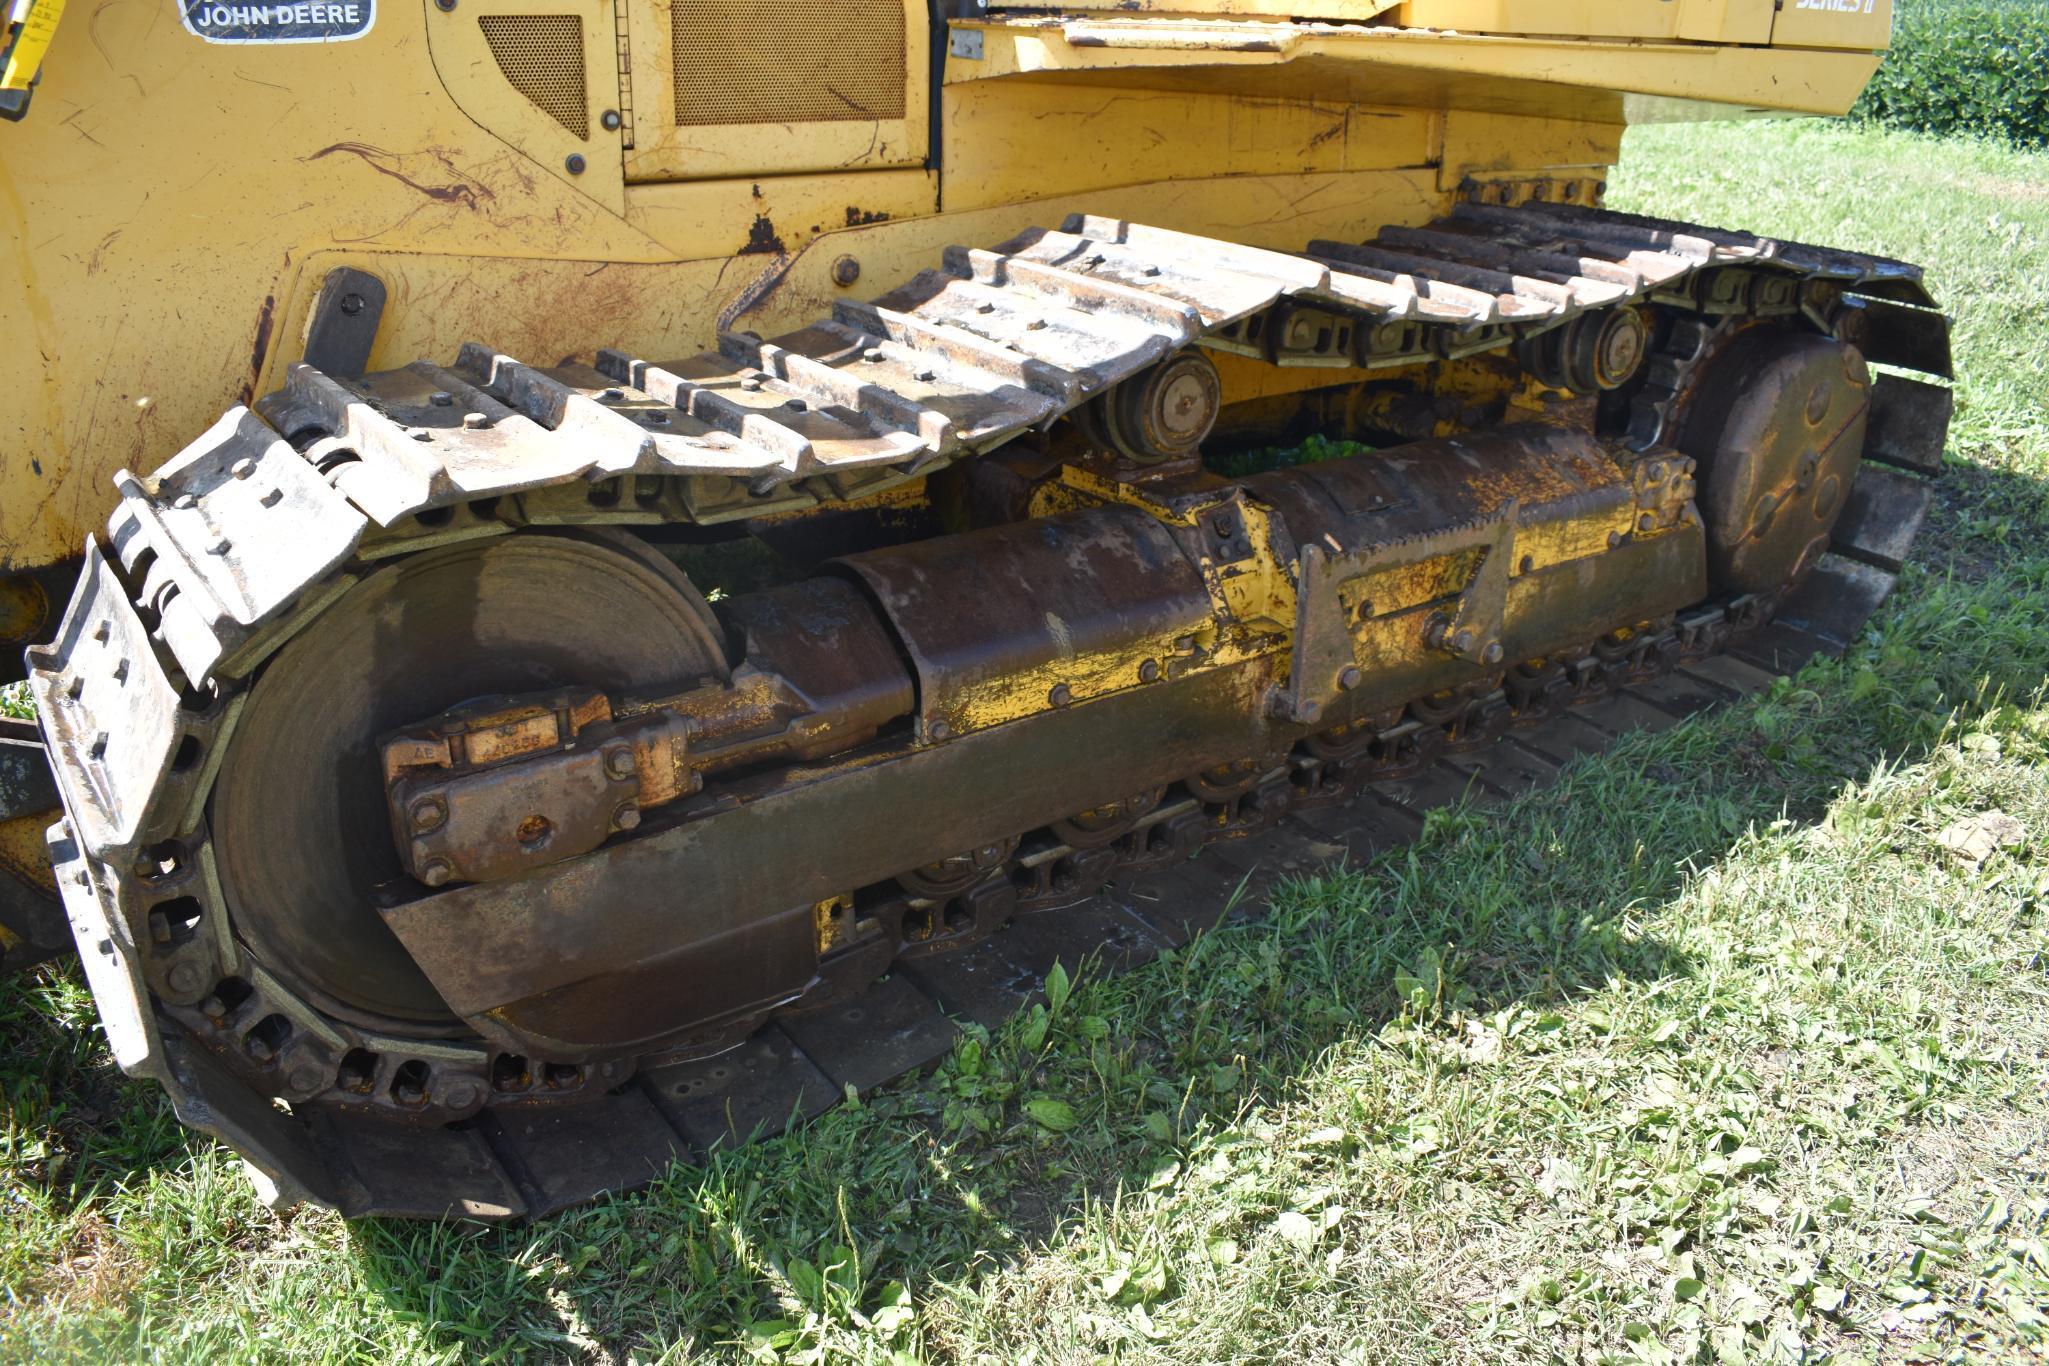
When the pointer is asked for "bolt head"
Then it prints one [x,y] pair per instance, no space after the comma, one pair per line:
[428,813]
[574,164]
[845,271]
[1492,654]
[1463,641]
[474,421]
[626,817]
[1349,677]
[1060,695]
[610,120]
[619,763]
[304,1080]
[242,468]
[436,872]
[1149,671]
[352,304]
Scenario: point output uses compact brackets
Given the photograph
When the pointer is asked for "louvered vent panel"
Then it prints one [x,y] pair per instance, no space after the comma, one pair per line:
[794,61]
[542,55]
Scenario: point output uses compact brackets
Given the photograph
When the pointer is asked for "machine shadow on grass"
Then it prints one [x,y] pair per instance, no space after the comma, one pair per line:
[1525,904]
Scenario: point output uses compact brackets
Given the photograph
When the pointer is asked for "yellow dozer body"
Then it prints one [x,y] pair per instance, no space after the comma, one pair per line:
[383,368]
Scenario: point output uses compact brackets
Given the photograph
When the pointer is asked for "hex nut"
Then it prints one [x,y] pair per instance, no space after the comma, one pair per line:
[428,813]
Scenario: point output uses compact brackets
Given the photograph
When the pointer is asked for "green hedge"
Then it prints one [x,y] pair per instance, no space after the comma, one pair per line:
[1966,66]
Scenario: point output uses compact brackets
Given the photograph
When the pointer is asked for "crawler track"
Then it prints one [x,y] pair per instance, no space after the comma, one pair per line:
[216,560]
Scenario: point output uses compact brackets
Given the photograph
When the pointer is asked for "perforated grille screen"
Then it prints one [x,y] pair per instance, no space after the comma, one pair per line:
[793,61]
[542,55]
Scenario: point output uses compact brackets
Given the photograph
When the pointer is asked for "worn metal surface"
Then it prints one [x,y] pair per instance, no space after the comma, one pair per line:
[1777,422]
[377,1006]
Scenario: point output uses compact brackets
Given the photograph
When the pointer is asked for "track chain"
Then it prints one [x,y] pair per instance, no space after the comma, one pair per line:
[210,564]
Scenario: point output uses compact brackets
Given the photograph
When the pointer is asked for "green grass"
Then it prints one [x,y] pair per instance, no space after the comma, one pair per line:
[1715,1052]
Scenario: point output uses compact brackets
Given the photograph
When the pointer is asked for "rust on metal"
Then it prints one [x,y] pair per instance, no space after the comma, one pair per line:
[585,826]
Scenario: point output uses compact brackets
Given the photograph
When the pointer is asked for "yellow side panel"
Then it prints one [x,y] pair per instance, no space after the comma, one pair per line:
[1482,145]
[997,133]
[479,82]
[776,214]
[1853,24]
[1347,11]
[1707,21]
[1606,81]
[776,87]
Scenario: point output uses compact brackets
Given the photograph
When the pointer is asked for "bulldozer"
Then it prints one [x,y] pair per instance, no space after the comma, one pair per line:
[597,575]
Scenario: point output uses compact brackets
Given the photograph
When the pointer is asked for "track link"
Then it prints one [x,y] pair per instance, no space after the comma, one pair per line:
[218,558]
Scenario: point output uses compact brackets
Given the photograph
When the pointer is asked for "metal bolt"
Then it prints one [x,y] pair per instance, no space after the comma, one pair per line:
[436,872]
[428,813]
[574,165]
[184,978]
[1349,677]
[185,501]
[1529,563]
[352,304]
[939,730]
[1614,539]
[1061,695]
[220,545]
[461,1096]
[441,398]
[306,1079]
[626,817]
[750,383]
[1462,642]
[1310,711]
[1149,671]
[610,120]
[619,763]
[445,6]
[845,270]
[1646,523]
[1492,654]
[474,421]
[242,468]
